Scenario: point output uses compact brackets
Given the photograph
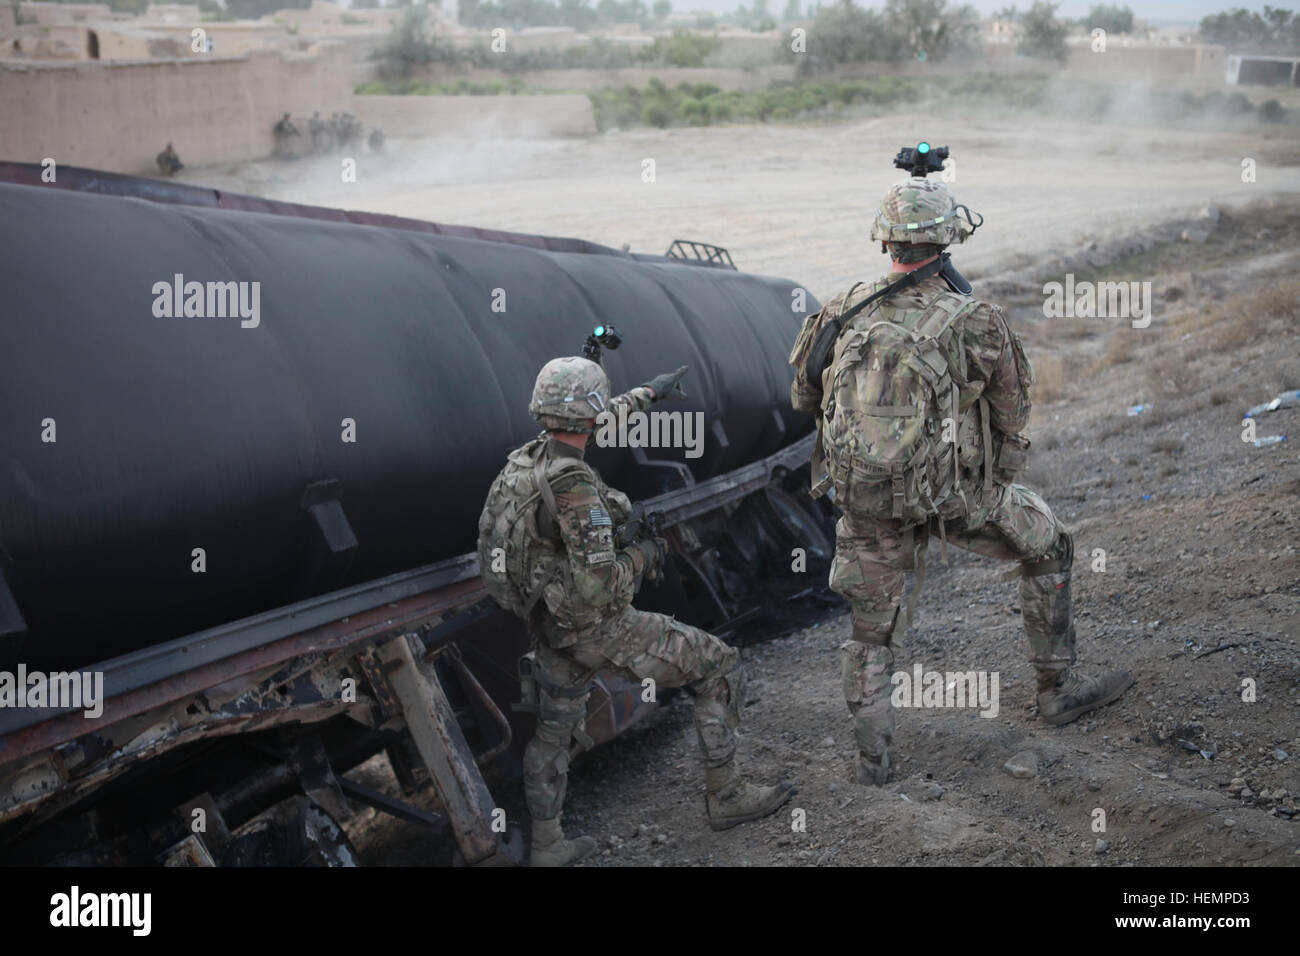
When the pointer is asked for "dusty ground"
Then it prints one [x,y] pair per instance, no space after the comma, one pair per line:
[1201,587]
[1207,561]
[797,201]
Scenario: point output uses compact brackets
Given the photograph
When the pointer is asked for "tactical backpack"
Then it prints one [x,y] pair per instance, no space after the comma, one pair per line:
[891,409]
[517,560]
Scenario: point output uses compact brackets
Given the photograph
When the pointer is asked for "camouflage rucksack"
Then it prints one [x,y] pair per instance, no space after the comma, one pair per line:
[886,398]
[516,561]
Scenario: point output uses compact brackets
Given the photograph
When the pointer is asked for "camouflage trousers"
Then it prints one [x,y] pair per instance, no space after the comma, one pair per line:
[871,555]
[635,644]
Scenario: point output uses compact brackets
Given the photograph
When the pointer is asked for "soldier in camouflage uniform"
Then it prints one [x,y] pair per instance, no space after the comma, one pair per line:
[990,514]
[584,621]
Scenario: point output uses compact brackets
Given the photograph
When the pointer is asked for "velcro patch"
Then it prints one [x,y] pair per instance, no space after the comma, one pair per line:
[600,518]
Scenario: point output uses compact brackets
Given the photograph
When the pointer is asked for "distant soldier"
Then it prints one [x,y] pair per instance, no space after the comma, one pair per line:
[548,552]
[168,162]
[376,140]
[336,131]
[316,127]
[351,128]
[926,393]
[284,132]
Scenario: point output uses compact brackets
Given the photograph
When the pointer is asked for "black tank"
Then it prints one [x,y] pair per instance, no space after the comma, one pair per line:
[175,433]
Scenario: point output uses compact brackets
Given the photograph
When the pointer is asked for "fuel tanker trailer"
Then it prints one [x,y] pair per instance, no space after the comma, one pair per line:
[231,424]
[209,412]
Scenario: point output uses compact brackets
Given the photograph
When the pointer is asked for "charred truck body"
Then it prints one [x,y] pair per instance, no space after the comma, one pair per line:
[245,449]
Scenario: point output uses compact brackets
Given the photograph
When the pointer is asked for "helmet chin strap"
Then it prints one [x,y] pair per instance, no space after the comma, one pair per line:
[973,224]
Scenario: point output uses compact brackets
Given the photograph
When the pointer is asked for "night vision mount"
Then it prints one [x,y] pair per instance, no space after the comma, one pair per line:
[602,336]
[921,159]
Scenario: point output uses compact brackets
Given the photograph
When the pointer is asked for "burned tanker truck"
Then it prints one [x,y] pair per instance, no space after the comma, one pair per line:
[245,447]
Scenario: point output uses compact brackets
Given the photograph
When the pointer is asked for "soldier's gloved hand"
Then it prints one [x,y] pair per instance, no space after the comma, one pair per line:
[668,385]
[648,556]
[656,569]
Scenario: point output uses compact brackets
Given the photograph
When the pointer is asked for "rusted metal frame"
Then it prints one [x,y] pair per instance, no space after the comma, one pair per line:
[391,805]
[368,626]
[687,503]
[77,780]
[471,684]
[432,724]
[162,661]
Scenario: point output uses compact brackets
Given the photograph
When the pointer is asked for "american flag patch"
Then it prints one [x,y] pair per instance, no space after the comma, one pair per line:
[600,518]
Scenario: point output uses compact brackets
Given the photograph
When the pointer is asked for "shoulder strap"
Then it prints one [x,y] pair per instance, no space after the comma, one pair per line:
[819,355]
[546,516]
[549,510]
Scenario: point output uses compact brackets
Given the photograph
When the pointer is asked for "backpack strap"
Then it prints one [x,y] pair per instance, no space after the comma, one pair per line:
[819,355]
[546,515]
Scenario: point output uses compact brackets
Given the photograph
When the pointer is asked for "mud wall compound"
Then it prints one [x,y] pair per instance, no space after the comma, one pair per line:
[385,374]
[117,116]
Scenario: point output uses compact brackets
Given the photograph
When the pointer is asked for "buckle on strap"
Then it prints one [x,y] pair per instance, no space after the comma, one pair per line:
[1039,568]
[900,497]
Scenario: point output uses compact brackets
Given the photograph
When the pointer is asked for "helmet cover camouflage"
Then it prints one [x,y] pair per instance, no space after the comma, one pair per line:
[919,210]
[569,393]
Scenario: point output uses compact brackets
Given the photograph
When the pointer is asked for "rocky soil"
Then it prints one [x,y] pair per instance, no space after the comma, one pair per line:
[1186,573]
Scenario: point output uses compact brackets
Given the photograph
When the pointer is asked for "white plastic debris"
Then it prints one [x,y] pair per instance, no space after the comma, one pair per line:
[1285,400]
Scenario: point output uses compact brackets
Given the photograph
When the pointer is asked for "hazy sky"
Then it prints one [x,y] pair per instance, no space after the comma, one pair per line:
[1157,11]
[1176,11]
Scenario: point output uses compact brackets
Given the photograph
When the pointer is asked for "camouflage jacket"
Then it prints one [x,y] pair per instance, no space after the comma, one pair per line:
[596,580]
[992,362]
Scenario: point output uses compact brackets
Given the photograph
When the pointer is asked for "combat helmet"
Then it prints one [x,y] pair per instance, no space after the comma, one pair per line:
[921,210]
[569,393]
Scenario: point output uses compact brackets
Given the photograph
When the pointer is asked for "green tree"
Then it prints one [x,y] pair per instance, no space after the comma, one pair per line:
[1044,35]
[662,8]
[1277,31]
[410,47]
[929,29]
[1113,19]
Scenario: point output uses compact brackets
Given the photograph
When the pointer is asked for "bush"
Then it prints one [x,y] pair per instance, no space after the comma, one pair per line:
[1044,35]
[656,114]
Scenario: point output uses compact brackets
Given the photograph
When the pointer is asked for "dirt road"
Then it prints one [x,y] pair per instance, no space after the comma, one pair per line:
[797,201]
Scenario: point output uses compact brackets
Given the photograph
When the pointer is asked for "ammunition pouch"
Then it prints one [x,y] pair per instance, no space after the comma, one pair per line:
[1011,458]
[527,684]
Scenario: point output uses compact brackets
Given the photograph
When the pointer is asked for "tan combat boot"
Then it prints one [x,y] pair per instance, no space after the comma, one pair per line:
[1065,695]
[872,770]
[550,848]
[732,800]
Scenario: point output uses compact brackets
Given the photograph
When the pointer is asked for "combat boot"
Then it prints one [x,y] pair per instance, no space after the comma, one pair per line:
[1065,695]
[550,848]
[872,770]
[732,800]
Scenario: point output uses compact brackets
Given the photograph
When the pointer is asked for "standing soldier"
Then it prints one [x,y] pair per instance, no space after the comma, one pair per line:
[284,131]
[921,393]
[316,127]
[168,162]
[547,551]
